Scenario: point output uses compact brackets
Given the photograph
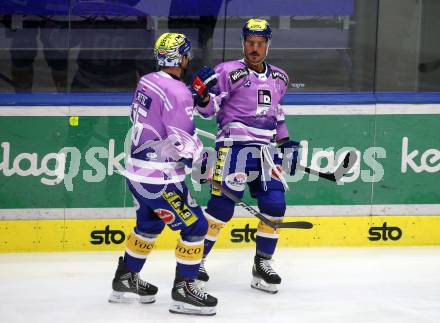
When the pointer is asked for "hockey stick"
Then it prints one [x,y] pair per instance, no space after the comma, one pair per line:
[349,160]
[205,134]
[251,210]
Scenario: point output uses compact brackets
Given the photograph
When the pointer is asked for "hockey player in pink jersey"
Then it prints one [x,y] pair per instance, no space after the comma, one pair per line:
[250,141]
[163,143]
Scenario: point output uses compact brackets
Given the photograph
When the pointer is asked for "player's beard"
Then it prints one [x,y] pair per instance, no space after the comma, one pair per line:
[255,64]
[251,62]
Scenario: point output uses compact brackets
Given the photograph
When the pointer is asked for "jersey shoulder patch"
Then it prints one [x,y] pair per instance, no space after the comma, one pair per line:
[238,74]
[280,75]
[143,99]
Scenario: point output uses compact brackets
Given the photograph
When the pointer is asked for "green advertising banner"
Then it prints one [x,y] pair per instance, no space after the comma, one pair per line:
[399,160]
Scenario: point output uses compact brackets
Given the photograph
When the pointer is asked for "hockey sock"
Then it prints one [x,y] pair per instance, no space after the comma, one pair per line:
[214,227]
[267,238]
[137,249]
[188,256]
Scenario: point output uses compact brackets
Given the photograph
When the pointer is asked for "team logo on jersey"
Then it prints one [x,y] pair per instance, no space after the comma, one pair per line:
[247,83]
[143,99]
[236,181]
[264,97]
[274,174]
[165,215]
[264,102]
[282,76]
[182,141]
[238,74]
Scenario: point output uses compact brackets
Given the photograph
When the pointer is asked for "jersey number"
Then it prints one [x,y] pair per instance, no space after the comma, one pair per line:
[190,112]
[138,127]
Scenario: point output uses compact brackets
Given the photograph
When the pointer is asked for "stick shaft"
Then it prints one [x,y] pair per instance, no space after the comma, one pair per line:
[251,210]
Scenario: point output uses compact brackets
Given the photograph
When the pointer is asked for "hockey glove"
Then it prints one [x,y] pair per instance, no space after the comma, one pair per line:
[202,81]
[290,151]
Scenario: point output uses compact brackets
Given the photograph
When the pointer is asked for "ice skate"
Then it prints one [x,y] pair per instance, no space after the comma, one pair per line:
[188,298]
[129,288]
[203,274]
[264,277]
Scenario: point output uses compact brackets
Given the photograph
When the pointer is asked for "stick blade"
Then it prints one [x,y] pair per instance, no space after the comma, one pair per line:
[347,164]
[296,225]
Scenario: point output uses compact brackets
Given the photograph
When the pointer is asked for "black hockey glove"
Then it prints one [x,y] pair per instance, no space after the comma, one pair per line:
[202,81]
[289,150]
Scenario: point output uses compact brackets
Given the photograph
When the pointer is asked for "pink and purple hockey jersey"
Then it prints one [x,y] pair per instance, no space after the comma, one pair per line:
[247,104]
[163,130]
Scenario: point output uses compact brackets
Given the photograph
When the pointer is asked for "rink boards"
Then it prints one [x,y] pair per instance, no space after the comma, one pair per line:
[110,234]
[392,197]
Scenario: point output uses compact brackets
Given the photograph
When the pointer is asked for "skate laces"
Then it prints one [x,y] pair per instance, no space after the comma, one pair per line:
[265,265]
[139,282]
[196,290]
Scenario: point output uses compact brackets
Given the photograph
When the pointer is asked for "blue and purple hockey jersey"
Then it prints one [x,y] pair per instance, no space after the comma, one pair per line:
[163,131]
[247,104]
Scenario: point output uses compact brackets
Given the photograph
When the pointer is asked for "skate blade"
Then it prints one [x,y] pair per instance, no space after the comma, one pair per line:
[185,308]
[130,298]
[260,284]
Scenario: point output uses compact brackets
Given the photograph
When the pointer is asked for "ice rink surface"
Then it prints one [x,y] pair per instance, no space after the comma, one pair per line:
[320,285]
